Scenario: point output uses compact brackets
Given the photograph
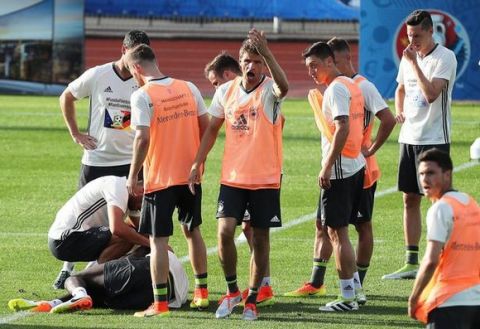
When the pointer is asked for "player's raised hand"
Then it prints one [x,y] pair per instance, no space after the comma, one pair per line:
[259,41]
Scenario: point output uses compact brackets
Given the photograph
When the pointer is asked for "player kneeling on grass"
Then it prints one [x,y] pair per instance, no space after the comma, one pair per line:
[117,284]
[90,226]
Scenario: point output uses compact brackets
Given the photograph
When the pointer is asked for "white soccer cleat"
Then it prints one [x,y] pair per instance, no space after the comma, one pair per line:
[227,304]
[340,305]
[408,271]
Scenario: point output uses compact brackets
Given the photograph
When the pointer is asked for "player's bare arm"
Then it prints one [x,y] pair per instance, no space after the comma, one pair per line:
[399,100]
[67,105]
[278,75]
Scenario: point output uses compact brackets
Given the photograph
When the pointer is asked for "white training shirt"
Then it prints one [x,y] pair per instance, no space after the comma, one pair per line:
[88,207]
[439,228]
[427,124]
[336,102]
[374,102]
[180,281]
[142,107]
[109,118]
[271,103]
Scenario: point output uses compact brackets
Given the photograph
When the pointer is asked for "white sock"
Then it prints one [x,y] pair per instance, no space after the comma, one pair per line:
[265,281]
[79,292]
[348,289]
[68,266]
[55,302]
[356,281]
[90,264]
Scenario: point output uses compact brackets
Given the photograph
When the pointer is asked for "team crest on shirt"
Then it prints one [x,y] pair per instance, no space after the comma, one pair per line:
[253,112]
[116,119]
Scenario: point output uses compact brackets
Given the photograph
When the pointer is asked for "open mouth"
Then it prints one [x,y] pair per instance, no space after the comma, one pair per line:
[250,74]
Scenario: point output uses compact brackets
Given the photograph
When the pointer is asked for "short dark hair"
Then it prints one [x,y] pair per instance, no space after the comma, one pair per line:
[441,158]
[141,53]
[135,38]
[247,47]
[420,17]
[221,63]
[319,49]
[337,44]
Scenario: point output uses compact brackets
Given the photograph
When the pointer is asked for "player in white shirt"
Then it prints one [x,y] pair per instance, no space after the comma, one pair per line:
[446,293]
[107,144]
[375,106]
[90,226]
[117,284]
[342,174]
[423,106]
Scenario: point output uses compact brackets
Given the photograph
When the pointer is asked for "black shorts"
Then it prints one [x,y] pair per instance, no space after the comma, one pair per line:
[338,206]
[454,317]
[158,208]
[408,181]
[365,208]
[83,246]
[128,284]
[262,204]
[89,173]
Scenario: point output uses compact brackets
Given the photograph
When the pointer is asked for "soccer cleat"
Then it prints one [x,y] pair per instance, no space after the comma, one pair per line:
[250,312]
[21,304]
[340,305]
[265,296]
[227,303]
[152,310]
[408,271]
[360,296]
[307,290]
[200,299]
[74,304]
[60,280]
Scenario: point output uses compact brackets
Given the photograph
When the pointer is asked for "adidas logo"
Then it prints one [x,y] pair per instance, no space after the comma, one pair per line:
[359,215]
[240,123]
[275,219]
[108,90]
[349,287]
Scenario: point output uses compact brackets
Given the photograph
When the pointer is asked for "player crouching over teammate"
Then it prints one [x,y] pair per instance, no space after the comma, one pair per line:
[118,284]
[90,226]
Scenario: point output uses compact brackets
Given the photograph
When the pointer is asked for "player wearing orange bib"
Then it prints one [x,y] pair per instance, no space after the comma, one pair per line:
[251,169]
[446,293]
[169,116]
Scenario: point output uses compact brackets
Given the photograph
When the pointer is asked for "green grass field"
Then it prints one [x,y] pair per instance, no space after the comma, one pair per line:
[39,172]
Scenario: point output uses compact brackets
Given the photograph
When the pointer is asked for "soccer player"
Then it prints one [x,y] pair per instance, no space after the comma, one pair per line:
[423,107]
[107,145]
[169,116]
[446,293]
[340,115]
[221,69]
[252,161]
[375,106]
[90,226]
[117,284]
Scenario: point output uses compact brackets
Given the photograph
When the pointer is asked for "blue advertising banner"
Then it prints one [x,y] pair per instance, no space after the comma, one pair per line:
[383,37]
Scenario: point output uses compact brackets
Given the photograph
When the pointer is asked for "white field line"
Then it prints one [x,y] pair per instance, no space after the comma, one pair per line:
[213,250]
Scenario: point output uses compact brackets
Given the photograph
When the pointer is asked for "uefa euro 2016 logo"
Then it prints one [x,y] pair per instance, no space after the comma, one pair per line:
[447,31]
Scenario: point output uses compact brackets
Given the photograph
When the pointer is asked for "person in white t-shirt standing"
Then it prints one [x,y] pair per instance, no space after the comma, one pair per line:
[108,141]
[423,107]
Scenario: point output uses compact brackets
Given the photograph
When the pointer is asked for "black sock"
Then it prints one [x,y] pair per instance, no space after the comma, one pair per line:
[201,280]
[411,255]
[232,283]
[362,271]
[318,272]
[252,296]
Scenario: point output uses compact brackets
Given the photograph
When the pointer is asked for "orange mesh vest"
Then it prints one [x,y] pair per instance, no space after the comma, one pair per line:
[372,170]
[252,157]
[459,266]
[353,144]
[174,135]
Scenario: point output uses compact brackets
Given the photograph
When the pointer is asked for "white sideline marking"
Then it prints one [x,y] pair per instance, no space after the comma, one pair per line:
[240,240]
